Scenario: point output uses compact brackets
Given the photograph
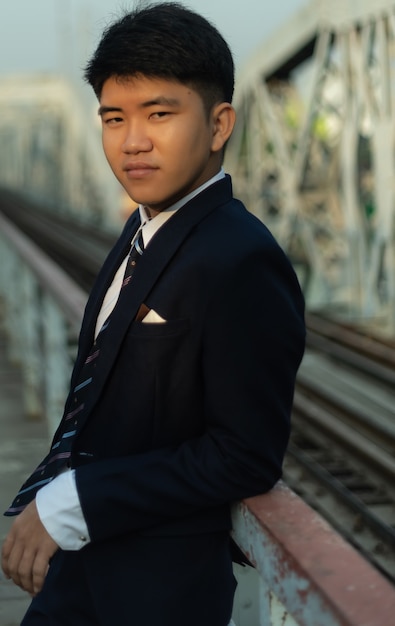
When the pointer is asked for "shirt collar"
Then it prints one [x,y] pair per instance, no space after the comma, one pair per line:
[150,226]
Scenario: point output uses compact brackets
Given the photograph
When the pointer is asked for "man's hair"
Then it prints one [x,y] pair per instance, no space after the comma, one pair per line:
[167,41]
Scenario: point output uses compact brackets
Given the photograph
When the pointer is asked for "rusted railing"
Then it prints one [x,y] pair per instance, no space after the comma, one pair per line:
[306,574]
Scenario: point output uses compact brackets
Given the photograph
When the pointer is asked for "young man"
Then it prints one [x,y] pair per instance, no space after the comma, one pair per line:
[181,393]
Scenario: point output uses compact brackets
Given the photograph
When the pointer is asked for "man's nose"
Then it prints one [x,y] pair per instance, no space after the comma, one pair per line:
[136,140]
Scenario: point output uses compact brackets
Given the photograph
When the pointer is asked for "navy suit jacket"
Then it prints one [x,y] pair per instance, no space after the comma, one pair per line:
[192,414]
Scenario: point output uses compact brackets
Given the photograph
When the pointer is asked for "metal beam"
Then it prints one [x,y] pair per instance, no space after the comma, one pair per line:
[313,152]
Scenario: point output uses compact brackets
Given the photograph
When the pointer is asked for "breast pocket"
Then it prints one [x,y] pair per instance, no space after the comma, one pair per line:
[161,360]
[150,350]
[169,328]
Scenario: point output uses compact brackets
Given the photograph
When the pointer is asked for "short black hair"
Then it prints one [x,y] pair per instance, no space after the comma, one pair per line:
[169,41]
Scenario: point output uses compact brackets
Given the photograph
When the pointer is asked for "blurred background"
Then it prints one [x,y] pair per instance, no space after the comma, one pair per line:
[58,37]
[312,156]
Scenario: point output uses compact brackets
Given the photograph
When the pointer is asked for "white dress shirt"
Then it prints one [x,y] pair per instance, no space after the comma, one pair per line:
[57,502]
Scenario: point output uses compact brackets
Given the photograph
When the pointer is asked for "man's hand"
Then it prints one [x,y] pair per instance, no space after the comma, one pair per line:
[27,550]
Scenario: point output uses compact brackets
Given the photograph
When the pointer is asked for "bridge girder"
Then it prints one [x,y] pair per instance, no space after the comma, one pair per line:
[313,152]
[52,151]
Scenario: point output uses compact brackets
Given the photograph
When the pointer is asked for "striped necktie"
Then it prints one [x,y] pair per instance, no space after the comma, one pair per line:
[60,453]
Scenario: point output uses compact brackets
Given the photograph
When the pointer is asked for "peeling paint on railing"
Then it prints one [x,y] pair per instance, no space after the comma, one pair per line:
[308,575]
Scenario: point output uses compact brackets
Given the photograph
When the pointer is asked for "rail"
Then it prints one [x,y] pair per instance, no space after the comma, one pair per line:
[341,457]
[42,342]
[306,574]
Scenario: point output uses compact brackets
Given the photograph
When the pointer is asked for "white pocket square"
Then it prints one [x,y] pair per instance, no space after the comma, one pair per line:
[153,317]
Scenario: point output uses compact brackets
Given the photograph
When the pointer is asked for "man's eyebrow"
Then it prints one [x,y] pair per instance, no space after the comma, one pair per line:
[161,100]
[158,101]
[103,109]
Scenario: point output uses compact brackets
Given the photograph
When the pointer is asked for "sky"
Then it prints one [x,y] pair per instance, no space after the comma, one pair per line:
[58,36]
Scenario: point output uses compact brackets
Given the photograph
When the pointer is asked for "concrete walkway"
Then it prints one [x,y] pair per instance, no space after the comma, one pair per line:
[22,445]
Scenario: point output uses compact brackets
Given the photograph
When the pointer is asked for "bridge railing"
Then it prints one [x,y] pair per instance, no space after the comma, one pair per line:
[304,573]
[307,574]
[41,313]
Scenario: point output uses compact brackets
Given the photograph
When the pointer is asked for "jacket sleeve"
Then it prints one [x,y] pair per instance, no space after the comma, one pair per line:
[252,345]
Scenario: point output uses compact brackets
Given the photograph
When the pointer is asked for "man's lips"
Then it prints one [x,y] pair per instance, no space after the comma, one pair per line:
[138,169]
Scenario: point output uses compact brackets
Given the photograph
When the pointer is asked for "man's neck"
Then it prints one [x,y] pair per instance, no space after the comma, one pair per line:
[147,214]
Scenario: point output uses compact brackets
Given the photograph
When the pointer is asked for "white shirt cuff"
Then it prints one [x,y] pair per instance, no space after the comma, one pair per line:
[60,512]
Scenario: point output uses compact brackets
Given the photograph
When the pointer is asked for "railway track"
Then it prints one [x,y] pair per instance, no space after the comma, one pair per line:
[341,457]
[78,247]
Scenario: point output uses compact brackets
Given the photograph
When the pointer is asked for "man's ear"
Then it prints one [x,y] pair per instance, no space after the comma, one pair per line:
[224,118]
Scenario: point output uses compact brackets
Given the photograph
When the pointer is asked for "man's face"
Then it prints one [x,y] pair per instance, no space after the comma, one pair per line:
[158,139]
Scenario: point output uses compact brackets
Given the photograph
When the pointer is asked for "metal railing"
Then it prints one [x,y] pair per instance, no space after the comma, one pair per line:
[41,313]
[307,575]
[304,573]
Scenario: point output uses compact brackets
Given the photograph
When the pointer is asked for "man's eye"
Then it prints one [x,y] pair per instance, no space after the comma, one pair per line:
[159,114]
[113,120]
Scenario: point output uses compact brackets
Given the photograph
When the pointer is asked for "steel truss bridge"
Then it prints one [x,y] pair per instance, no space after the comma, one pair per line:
[312,154]
[51,148]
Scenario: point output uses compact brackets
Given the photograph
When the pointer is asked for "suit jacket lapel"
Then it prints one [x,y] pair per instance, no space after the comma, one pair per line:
[102,283]
[158,254]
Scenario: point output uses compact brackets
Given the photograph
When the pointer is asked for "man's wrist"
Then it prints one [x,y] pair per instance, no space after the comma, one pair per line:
[60,512]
